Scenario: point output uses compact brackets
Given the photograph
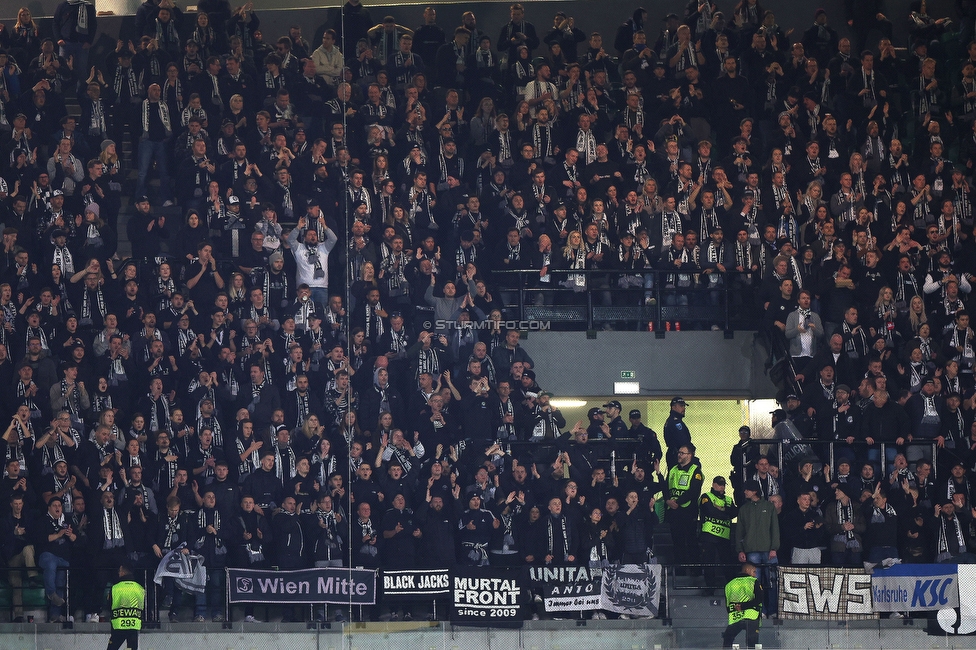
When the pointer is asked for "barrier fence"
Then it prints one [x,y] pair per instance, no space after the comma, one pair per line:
[507,596]
[653,299]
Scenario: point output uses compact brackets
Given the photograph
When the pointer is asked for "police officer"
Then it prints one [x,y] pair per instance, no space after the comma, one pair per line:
[717,510]
[616,424]
[128,603]
[684,489]
[676,433]
[743,597]
[648,445]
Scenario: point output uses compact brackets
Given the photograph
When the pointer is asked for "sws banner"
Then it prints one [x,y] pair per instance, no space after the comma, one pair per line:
[824,593]
[324,585]
[915,587]
[567,588]
[631,589]
[488,595]
[415,583]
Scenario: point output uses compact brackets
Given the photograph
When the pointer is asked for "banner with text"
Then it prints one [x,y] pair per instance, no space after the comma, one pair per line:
[488,595]
[825,593]
[325,585]
[915,587]
[567,588]
[415,583]
[631,589]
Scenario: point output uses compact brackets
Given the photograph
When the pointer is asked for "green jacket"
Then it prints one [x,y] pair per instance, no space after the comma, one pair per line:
[758,528]
[128,603]
[746,591]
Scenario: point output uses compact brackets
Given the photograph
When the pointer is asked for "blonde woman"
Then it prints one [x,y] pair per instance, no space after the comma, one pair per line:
[25,41]
[574,257]
[310,436]
[885,313]
[809,201]
[235,113]
[112,172]
[650,199]
[914,319]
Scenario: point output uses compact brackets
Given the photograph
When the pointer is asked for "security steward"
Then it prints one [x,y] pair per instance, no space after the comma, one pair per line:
[128,604]
[744,597]
[684,489]
[717,510]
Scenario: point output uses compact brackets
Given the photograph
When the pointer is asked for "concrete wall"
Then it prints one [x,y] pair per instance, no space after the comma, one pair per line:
[697,364]
[608,635]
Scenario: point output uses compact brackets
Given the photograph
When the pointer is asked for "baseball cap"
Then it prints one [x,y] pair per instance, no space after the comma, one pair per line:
[613,404]
[596,410]
[635,414]
[677,400]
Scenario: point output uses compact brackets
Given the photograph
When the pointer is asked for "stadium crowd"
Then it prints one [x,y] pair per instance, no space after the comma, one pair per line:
[290,382]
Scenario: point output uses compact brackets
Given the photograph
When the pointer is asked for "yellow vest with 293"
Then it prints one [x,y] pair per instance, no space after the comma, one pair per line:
[128,601]
[718,527]
[741,590]
[679,480]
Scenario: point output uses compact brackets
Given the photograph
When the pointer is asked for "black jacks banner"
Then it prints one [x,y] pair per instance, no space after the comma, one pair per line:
[321,585]
[567,588]
[488,595]
[415,584]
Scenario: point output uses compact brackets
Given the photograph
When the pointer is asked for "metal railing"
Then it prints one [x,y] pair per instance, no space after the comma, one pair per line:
[33,596]
[599,298]
[790,452]
[619,452]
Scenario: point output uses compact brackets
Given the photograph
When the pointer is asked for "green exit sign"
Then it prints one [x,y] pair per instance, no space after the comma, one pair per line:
[628,374]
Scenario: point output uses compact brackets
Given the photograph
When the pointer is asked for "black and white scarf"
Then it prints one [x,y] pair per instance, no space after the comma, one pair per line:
[127,76]
[586,145]
[550,530]
[542,139]
[163,112]
[213,516]
[285,459]
[253,462]
[955,532]
[172,530]
[81,20]
[114,537]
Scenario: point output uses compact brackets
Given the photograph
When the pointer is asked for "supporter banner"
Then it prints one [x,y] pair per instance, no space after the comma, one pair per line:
[824,593]
[632,589]
[186,569]
[488,595]
[567,588]
[915,587]
[416,583]
[324,585]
